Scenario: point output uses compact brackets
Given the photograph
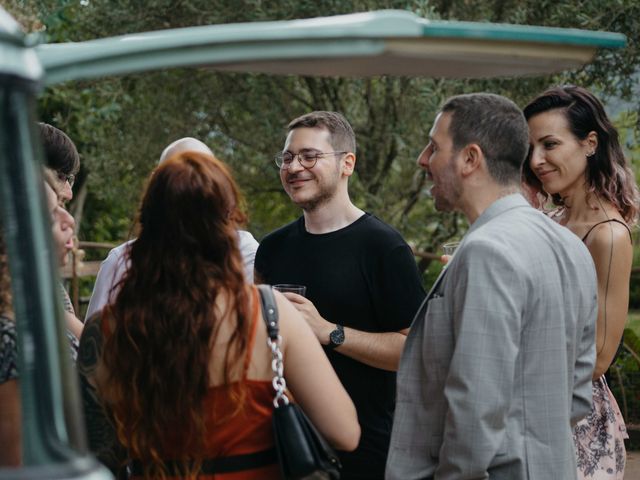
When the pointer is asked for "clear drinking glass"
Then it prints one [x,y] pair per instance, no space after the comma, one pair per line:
[450,248]
[289,287]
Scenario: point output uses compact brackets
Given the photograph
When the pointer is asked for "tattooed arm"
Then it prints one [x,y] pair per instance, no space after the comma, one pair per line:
[101,433]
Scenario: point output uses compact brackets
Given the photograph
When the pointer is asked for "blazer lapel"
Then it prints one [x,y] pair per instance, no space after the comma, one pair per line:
[421,311]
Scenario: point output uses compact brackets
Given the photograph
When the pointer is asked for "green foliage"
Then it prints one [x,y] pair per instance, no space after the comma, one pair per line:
[633,322]
[625,377]
[122,124]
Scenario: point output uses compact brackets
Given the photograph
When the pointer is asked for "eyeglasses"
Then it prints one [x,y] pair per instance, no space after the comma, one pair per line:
[63,177]
[307,158]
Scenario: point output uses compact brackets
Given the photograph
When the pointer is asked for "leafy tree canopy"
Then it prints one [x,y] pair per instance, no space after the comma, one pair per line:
[122,124]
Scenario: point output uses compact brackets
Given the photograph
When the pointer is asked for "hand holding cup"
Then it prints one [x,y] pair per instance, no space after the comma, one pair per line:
[448,249]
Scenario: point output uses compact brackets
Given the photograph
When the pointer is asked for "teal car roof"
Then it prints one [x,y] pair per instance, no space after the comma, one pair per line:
[15,58]
[388,42]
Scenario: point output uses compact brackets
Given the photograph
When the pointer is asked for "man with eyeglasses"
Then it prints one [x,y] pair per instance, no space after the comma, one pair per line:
[61,164]
[363,286]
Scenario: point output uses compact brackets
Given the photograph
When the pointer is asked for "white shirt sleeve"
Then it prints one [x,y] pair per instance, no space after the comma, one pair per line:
[248,248]
[111,271]
[113,267]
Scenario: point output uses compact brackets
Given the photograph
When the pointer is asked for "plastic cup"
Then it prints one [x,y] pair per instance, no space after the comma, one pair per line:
[289,287]
[450,248]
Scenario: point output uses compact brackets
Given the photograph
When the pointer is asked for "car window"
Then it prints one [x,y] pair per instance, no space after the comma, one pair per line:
[52,437]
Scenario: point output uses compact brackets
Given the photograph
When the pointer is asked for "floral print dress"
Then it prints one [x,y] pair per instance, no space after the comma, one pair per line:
[599,438]
[8,350]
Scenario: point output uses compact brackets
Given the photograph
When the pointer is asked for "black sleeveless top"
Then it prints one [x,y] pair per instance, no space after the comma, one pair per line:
[608,221]
[631,238]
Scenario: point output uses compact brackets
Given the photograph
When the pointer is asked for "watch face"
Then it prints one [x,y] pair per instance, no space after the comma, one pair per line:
[337,336]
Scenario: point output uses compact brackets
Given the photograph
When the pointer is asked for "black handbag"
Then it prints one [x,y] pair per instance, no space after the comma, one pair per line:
[302,452]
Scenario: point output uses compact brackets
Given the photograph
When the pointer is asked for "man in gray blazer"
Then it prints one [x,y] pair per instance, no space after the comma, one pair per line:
[497,366]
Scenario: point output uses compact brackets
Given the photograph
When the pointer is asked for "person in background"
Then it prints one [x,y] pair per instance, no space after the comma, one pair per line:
[180,360]
[10,420]
[577,162]
[62,229]
[114,266]
[363,285]
[10,413]
[497,365]
[61,165]
[61,158]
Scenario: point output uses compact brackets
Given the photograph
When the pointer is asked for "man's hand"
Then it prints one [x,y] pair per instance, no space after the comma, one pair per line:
[376,349]
[319,325]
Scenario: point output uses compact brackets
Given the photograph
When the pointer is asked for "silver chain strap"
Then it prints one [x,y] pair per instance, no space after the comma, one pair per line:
[277,365]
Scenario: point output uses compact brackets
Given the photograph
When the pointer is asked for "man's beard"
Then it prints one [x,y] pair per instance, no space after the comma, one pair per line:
[448,191]
[325,193]
[323,196]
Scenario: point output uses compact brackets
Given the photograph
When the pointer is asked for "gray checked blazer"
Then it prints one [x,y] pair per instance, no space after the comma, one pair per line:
[498,370]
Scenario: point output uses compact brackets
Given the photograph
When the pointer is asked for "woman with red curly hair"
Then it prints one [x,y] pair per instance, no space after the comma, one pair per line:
[180,359]
[576,160]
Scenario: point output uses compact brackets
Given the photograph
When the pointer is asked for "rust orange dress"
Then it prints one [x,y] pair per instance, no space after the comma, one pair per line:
[249,432]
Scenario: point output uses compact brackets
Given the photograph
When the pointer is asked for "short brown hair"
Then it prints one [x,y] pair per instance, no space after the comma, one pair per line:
[497,125]
[60,153]
[341,134]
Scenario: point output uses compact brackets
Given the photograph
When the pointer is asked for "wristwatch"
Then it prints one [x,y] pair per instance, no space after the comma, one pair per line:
[336,337]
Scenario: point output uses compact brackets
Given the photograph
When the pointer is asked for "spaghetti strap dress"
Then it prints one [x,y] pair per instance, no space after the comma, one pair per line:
[599,437]
[233,431]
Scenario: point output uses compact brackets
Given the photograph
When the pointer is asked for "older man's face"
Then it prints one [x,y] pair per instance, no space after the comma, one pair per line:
[439,160]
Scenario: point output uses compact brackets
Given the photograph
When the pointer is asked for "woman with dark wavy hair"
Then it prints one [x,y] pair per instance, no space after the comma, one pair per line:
[185,371]
[576,160]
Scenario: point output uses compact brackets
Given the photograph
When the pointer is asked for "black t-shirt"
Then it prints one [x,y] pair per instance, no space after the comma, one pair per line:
[363,276]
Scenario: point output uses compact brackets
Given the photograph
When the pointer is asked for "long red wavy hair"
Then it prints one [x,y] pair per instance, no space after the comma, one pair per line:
[155,362]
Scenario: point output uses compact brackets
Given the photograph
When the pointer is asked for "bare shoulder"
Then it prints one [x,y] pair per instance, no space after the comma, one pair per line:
[286,311]
[607,235]
[291,321]
[284,305]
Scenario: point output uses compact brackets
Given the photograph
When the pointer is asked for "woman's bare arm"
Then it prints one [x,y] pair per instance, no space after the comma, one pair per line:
[612,254]
[314,383]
